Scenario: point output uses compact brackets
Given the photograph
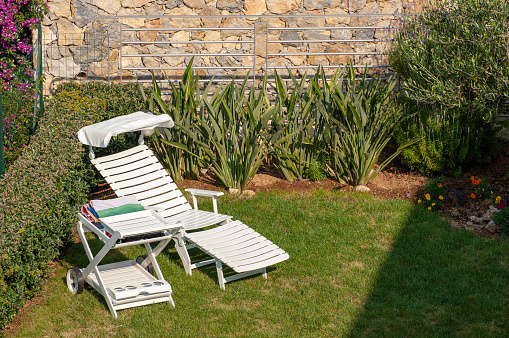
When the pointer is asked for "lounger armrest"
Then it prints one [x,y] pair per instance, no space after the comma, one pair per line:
[206,193]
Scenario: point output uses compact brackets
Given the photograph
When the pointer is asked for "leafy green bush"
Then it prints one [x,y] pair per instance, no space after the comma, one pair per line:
[43,190]
[455,67]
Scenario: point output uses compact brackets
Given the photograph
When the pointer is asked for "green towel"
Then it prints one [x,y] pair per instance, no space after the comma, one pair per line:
[123,209]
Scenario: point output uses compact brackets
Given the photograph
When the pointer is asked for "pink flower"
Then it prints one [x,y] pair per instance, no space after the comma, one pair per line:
[501,205]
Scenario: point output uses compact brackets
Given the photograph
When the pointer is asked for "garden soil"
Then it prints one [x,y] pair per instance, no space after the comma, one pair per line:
[397,183]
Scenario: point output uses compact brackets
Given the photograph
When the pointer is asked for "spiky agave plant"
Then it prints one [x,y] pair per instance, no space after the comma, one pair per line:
[365,118]
[179,153]
[301,118]
[234,133]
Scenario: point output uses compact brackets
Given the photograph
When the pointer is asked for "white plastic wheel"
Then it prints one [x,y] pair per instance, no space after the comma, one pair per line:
[75,281]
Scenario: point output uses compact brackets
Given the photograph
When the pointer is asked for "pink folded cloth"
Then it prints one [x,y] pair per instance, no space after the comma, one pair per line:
[116,202]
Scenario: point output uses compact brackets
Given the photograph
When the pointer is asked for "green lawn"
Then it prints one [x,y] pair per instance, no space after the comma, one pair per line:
[359,266]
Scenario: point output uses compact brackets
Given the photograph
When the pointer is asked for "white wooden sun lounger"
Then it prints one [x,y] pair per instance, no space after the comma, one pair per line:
[138,172]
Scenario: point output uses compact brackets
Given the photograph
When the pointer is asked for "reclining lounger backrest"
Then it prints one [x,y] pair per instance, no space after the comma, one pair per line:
[138,172]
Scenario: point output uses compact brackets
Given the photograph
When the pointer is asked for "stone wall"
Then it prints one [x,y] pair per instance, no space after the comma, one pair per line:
[81,36]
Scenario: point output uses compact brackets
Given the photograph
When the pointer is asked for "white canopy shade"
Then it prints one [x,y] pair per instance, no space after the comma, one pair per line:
[100,134]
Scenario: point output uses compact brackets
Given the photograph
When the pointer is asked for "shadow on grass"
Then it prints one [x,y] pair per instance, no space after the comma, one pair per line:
[439,281]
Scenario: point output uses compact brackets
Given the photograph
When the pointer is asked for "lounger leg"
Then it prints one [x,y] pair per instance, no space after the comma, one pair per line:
[264,274]
[220,276]
[180,245]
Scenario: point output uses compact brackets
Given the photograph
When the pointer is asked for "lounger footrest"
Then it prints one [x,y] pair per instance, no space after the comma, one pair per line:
[133,290]
[127,282]
[238,246]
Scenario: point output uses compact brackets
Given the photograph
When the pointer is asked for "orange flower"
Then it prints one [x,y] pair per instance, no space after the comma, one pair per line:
[472,178]
[472,195]
[439,185]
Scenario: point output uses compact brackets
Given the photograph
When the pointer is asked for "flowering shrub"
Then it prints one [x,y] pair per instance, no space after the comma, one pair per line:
[434,196]
[17,19]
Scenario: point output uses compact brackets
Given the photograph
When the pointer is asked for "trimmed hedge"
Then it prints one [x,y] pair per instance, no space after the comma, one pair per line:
[43,190]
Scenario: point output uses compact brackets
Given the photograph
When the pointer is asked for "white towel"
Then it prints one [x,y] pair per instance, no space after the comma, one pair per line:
[100,134]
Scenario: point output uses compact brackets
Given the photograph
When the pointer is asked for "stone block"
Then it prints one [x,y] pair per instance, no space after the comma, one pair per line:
[131,61]
[234,23]
[86,54]
[316,21]
[355,5]
[317,60]
[68,33]
[53,51]
[364,34]
[152,9]
[104,68]
[60,8]
[232,6]
[316,35]
[339,60]
[290,35]
[173,61]
[64,67]
[254,7]
[213,48]
[110,6]
[340,20]
[231,46]
[279,6]
[296,60]
[181,22]
[196,4]
[171,4]
[83,13]
[132,22]
[390,7]
[371,9]
[150,62]
[210,22]
[148,35]
[341,34]
[179,36]
[48,36]
[311,5]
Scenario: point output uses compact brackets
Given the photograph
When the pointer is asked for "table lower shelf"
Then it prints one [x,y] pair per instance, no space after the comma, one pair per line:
[127,284]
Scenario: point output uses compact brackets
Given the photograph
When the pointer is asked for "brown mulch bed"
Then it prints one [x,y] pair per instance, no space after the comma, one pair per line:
[398,183]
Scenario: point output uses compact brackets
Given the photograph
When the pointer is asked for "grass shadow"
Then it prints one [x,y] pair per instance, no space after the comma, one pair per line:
[438,281]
